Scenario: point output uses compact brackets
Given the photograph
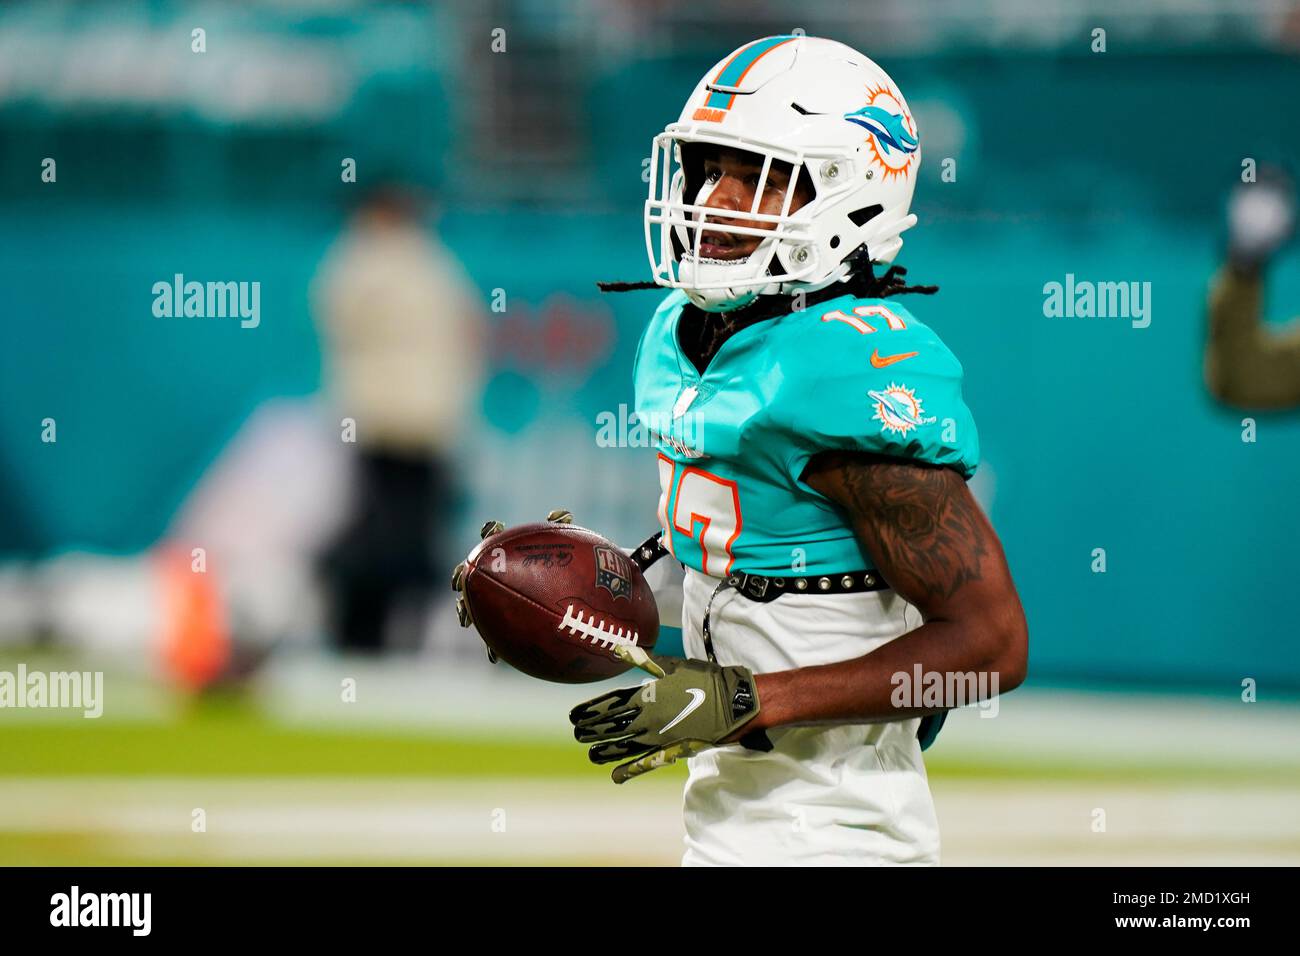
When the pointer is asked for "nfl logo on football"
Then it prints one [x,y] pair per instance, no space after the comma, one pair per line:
[613,572]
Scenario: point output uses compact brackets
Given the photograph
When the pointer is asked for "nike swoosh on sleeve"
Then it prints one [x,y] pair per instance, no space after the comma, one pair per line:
[880,361]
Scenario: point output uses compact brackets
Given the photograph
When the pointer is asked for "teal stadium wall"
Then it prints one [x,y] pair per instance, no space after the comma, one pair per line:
[1094,434]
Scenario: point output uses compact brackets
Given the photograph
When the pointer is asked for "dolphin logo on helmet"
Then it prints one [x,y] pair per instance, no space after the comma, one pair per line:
[887,127]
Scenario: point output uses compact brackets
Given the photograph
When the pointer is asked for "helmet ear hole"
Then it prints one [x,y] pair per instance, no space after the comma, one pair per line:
[835,242]
[864,215]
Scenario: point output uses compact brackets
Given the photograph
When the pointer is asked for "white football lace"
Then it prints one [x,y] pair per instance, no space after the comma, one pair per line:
[599,632]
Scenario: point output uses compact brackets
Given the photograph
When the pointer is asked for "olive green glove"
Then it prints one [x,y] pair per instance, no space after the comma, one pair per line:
[694,705]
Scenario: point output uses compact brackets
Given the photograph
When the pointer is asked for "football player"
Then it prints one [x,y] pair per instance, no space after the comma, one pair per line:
[1248,364]
[813,453]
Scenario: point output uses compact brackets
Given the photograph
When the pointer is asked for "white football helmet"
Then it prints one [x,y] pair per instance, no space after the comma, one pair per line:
[822,107]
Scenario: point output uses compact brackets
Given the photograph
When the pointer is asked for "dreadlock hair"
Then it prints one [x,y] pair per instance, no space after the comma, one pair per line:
[862,282]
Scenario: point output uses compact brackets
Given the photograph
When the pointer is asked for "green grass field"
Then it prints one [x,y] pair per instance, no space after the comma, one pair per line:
[124,791]
[223,740]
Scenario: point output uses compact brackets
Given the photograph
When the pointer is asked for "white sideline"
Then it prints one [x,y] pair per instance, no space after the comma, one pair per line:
[520,821]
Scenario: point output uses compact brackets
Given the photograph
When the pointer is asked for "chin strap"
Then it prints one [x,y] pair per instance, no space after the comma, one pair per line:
[860,280]
[625,286]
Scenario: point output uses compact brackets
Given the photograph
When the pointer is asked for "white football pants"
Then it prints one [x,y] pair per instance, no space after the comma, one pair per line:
[853,794]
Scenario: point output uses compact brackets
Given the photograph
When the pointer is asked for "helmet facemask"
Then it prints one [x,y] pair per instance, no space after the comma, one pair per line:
[802,248]
[678,220]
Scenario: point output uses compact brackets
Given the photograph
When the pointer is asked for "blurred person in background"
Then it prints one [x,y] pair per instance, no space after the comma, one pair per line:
[402,332]
[1246,364]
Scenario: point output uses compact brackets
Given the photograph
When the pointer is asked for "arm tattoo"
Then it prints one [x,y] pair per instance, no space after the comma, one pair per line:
[919,522]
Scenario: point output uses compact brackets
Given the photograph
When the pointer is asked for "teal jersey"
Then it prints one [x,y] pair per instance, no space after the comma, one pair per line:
[847,374]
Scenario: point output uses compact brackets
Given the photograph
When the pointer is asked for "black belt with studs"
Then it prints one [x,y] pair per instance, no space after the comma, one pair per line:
[767,587]
[761,587]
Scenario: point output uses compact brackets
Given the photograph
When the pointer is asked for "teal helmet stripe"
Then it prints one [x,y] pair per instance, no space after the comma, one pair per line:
[738,66]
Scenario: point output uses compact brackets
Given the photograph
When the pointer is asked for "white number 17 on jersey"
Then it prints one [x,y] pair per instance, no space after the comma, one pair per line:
[705,508]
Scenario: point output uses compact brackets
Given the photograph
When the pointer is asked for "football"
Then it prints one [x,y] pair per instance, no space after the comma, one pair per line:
[554,600]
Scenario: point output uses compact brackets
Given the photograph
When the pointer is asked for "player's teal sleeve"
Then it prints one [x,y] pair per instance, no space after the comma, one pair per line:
[871,377]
